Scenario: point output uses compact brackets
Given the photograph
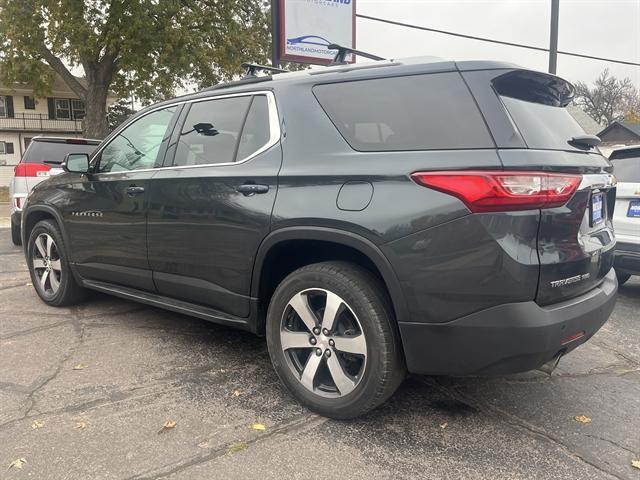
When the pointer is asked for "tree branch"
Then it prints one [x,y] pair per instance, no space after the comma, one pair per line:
[56,64]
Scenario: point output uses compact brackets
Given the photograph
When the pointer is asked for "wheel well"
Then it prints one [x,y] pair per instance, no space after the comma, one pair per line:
[34,218]
[289,255]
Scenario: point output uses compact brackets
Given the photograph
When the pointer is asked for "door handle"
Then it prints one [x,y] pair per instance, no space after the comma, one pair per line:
[248,189]
[133,190]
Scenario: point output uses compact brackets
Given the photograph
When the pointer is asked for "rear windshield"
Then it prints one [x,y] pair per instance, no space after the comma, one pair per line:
[627,169]
[38,152]
[419,112]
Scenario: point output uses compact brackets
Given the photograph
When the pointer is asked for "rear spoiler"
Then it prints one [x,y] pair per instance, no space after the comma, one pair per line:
[627,152]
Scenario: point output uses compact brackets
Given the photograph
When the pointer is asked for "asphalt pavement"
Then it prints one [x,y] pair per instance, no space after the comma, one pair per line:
[112,389]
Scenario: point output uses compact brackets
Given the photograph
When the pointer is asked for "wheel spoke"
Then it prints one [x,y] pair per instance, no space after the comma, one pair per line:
[331,310]
[49,245]
[310,370]
[43,280]
[53,280]
[356,344]
[291,339]
[38,263]
[41,246]
[340,378]
[301,305]
[55,264]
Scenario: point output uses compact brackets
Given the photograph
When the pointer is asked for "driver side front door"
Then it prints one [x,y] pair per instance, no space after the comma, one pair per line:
[106,216]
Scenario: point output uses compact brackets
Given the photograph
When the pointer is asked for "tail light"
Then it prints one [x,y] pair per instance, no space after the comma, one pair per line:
[32,170]
[498,191]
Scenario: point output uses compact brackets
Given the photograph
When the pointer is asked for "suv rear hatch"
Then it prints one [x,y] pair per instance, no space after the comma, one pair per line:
[575,240]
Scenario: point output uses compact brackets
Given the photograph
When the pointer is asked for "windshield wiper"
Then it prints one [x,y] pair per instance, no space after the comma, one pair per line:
[585,142]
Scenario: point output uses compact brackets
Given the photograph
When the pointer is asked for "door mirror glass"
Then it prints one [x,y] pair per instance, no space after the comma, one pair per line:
[76,163]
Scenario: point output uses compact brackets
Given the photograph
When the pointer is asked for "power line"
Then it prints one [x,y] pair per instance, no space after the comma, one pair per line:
[499,42]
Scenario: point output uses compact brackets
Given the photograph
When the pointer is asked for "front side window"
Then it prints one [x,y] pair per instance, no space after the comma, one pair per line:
[419,112]
[62,109]
[138,145]
[211,131]
[3,107]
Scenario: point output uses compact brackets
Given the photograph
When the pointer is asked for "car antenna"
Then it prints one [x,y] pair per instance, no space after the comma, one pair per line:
[340,58]
[253,68]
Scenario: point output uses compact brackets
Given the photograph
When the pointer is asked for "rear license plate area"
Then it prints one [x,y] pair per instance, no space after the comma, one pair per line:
[596,209]
[634,208]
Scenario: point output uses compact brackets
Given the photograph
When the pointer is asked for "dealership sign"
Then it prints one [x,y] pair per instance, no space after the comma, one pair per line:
[307,27]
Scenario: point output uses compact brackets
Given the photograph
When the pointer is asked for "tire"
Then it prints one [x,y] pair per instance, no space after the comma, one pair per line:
[622,277]
[363,343]
[15,234]
[59,288]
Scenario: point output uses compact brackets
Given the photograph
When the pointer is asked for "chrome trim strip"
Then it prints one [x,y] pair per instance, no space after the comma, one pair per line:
[598,180]
[274,132]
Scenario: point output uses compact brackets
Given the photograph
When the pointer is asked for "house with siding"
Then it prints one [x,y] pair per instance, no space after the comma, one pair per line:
[24,116]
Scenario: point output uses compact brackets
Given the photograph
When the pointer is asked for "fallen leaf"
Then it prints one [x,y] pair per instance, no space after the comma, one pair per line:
[237,447]
[204,444]
[81,425]
[635,463]
[582,419]
[236,393]
[17,463]
[258,426]
[79,366]
[37,424]
[444,425]
[168,425]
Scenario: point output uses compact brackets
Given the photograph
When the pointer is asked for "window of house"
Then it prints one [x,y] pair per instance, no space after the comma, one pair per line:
[3,148]
[63,112]
[29,103]
[3,107]
[78,109]
[211,131]
[137,146]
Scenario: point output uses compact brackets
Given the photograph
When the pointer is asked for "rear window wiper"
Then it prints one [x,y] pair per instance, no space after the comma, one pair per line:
[585,142]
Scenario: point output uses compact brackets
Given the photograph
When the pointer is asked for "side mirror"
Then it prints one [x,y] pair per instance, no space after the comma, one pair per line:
[76,163]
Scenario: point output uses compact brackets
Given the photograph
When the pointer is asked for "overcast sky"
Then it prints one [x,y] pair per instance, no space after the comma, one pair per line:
[603,28]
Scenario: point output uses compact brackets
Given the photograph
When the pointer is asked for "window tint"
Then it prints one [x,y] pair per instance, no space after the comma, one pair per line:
[211,131]
[255,133]
[137,146]
[627,169]
[543,126]
[38,151]
[419,112]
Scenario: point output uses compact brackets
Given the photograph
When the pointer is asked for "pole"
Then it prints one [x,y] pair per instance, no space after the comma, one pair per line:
[275,33]
[553,42]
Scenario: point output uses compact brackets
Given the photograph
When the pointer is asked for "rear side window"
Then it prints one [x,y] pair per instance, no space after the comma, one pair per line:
[38,151]
[535,101]
[418,112]
[627,169]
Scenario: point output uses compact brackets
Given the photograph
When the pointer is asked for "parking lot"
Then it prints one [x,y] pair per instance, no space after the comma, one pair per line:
[114,389]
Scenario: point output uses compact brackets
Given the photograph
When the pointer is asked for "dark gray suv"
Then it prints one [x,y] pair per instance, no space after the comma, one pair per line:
[372,219]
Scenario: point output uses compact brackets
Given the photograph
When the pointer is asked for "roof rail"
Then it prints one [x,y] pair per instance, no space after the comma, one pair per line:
[340,57]
[253,68]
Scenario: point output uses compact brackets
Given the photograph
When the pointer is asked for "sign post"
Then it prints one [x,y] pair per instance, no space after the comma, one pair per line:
[304,29]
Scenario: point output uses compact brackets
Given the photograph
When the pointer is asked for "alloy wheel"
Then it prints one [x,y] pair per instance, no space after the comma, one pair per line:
[323,342]
[46,264]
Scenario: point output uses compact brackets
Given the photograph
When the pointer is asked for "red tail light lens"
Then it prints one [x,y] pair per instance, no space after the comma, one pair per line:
[499,191]
[32,170]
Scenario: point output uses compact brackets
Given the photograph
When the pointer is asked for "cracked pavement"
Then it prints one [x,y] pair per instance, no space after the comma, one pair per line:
[137,367]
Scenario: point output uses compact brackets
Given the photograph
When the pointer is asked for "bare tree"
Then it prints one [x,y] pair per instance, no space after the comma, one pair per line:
[611,99]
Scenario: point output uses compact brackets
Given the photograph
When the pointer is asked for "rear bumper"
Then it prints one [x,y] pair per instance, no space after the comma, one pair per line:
[508,338]
[627,258]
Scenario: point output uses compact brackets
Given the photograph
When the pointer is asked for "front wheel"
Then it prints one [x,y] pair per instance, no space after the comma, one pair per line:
[622,277]
[333,341]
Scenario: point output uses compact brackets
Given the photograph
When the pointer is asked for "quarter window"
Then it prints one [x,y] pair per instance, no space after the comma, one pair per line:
[211,131]
[138,145]
[417,112]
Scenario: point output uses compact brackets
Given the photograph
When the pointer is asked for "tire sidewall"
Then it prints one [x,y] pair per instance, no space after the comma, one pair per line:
[370,313]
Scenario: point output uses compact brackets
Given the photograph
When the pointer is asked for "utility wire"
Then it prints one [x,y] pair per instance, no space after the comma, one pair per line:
[499,42]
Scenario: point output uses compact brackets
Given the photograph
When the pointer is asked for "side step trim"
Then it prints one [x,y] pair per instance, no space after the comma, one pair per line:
[167,303]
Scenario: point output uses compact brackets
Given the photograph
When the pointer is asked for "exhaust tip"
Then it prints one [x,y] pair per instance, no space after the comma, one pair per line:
[551,365]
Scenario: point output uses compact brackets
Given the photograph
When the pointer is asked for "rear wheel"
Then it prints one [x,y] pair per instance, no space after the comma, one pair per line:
[49,266]
[332,339]
[622,277]
[15,234]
